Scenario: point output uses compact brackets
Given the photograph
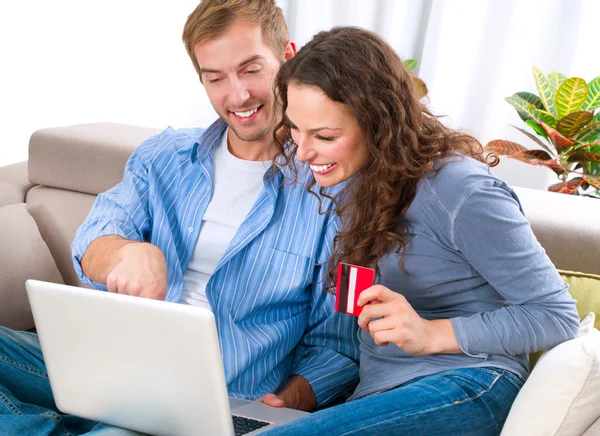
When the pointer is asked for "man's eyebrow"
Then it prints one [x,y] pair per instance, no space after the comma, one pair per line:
[240,65]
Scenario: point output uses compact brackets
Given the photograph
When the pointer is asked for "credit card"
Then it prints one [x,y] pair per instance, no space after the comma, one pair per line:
[351,281]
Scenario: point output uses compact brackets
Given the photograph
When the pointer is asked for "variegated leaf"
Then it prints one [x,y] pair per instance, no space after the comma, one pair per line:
[520,105]
[536,139]
[584,156]
[532,156]
[573,123]
[554,166]
[542,115]
[531,99]
[592,101]
[545,91]
[410,64]
[592,180]
[503,147]
[570,96]
[420,87]
[590,133]
[560,142]
[555,80]
[569,187]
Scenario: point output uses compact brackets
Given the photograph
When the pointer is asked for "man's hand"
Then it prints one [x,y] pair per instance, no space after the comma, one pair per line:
[142,271]
[296,394]
[127,267]
[390,318]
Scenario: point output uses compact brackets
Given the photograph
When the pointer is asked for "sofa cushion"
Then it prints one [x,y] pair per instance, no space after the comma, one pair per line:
[566,226]
[87,158]
[58,214]
[14,183]
[562,394]
[585,288]
[594,430]
[24,255]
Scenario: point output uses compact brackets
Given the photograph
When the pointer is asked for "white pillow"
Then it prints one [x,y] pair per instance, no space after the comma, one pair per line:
[562,395]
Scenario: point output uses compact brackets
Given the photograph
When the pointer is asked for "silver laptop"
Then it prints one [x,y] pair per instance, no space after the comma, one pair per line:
[141,364]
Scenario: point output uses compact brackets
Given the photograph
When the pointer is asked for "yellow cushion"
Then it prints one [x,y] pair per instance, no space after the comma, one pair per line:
[585,288]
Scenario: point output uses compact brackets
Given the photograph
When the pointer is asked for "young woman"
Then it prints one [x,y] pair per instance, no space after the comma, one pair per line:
[464,290]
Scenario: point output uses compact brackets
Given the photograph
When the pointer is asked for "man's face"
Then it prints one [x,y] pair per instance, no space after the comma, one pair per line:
[237,70]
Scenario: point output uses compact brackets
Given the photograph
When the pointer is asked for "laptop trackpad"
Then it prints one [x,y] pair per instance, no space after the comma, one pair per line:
[277,415]
[234,403]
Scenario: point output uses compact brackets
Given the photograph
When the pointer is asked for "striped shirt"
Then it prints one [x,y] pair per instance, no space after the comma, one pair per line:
[273,315]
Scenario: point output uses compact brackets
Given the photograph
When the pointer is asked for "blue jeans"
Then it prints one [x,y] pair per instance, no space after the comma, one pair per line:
[470,401]
[26,402]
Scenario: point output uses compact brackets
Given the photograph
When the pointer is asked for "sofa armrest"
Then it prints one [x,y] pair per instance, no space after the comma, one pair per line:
[24,255]
[14,183]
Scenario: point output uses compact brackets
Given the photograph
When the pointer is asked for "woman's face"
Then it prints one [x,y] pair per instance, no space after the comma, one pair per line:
[327,135]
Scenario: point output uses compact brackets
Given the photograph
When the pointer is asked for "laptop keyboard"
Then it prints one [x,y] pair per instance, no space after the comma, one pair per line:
[243,425]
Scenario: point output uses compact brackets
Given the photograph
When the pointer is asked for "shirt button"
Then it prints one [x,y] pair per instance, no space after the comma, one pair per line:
[190,229]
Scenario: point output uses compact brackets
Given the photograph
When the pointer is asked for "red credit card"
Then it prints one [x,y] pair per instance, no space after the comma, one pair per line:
[351,281]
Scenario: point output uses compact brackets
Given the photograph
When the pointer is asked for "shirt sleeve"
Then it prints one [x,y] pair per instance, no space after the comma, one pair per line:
[491,231]
[328,353]
[122,210]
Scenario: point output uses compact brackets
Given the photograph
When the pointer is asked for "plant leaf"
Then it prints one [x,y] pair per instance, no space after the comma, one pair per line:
[570,96]
[573,123]
[542,115]
[545,91]
[536,127]
[520,105]
[592,180]
[420,86]
[584,156]
[505,148]
[555,80]
[410,64]
[536,140]
[532,156]
[568,187]
[592,101]
[590,133]
[560,142]
[554,166]
[531,99]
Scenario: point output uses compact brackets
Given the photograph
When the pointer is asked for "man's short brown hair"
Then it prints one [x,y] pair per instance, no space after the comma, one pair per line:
[211,18]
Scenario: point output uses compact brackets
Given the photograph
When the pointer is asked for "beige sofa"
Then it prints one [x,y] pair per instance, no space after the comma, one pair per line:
[44,200]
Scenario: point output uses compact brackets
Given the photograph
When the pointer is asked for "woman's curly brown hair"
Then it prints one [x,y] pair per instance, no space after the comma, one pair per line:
[405,140]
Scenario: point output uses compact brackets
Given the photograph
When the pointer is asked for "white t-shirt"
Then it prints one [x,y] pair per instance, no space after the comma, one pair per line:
[237,184]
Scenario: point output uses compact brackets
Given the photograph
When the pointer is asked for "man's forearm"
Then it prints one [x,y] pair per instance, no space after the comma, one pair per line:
[101,257]
[298,394]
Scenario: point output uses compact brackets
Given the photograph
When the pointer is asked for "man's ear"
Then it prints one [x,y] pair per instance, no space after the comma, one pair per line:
[290,50]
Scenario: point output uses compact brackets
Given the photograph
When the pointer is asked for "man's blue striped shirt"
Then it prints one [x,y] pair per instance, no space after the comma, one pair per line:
[273,315]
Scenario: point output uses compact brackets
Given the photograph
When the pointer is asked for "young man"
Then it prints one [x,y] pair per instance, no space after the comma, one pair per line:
[202,218]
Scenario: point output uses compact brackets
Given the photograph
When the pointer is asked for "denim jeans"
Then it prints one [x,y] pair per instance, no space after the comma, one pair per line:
[26,403]
[470,401]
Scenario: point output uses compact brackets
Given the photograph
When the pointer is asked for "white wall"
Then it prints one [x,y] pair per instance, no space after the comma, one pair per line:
[477,52]
[66,62]
[75,61]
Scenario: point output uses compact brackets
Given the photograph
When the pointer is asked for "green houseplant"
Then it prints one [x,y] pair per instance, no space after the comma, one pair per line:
[411,65]
[566,126]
